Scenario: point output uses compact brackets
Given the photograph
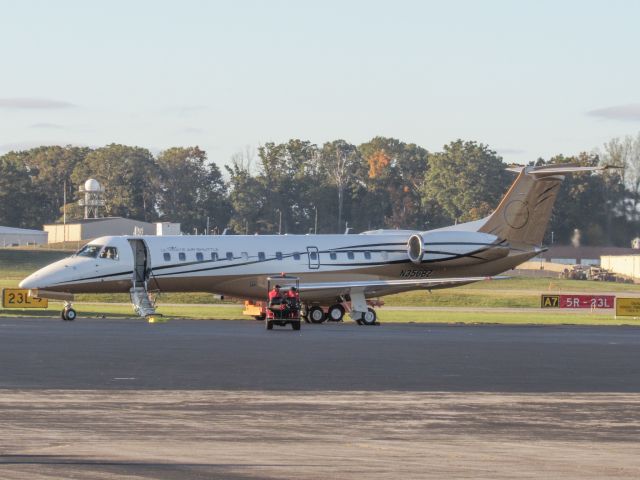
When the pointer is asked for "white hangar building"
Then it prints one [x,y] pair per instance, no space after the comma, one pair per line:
[13,237]
[89,228]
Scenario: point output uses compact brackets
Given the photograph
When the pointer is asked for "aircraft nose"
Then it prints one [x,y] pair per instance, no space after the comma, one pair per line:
[47,277]
[31,282]
[41,279]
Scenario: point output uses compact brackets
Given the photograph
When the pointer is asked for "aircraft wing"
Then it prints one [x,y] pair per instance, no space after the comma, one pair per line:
[377,286]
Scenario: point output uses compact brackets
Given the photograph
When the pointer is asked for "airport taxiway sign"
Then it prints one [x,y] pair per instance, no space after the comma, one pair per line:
[628,307]
[577,301]
[19,298]
[550,301]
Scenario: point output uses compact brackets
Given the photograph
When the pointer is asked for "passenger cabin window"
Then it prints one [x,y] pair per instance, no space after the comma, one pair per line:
[296,256]
[278,255]
[89,251]
[229,255]
[214,256]
[167,257]
[199,256]
[333,255]
[367,255]
[110,253]
[182,257]
[261,256]
[313,256]
[350,255]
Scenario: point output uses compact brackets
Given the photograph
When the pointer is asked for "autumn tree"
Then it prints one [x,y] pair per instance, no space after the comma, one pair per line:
[464,182]
[16,190]
[289,174]
[52,168]
[589,202]
[395,179]
[625,153]
[191,189]
[130,177]
[246,195]
[340,164]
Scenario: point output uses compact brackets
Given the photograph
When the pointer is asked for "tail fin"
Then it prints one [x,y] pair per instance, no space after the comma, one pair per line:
[523,214]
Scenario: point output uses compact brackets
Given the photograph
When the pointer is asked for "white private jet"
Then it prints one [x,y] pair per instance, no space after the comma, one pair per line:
[337,273]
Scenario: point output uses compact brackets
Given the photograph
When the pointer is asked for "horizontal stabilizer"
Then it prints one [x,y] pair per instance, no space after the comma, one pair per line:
[547,170]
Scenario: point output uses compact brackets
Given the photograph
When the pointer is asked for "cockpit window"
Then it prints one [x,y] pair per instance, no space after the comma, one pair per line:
[89,251]
[110,253]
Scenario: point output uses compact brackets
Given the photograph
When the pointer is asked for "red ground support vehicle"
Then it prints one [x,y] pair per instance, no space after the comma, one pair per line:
[284,311]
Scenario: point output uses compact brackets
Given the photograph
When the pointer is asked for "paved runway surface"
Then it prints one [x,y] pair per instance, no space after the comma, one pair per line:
[182,354]
[107,399]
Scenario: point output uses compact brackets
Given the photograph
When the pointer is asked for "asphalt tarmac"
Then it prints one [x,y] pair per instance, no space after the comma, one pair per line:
[241,355]
[116,398]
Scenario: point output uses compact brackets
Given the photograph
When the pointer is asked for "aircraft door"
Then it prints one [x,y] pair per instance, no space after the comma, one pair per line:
[140,262]
[314,258]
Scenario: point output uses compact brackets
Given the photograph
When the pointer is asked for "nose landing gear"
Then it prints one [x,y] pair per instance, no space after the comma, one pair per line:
[68,313]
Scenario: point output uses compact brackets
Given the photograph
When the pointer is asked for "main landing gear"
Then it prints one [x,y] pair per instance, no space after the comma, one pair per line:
[316,315]
[368,318]
[360,311]
[362,314]
[68,313]
[335,313]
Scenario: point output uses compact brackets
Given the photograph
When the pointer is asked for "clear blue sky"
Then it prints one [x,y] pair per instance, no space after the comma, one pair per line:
[530,79]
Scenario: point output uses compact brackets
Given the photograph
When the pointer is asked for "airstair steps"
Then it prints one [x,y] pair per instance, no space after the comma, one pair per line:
[141,302]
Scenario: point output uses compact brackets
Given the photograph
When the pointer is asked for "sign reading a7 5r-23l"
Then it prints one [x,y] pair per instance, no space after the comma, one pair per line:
[577,301]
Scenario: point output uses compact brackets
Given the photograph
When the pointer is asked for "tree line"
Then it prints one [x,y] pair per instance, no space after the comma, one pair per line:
[301,187]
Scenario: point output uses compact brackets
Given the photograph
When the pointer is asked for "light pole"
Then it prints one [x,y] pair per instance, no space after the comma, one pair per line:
[64,211]
[315,225]
[279,221]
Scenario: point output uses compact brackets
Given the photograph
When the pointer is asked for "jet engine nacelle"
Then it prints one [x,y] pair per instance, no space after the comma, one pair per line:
[455,247]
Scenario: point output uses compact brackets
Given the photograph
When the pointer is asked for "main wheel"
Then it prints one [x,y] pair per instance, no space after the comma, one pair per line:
[369,317]
[268,324]
[69,314]
[316,315]
[336,313]
[295,325]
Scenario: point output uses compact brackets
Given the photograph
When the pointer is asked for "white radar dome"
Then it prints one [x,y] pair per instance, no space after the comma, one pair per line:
[92,185]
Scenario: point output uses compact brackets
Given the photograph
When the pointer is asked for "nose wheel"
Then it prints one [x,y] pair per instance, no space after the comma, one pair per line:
[68,313]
